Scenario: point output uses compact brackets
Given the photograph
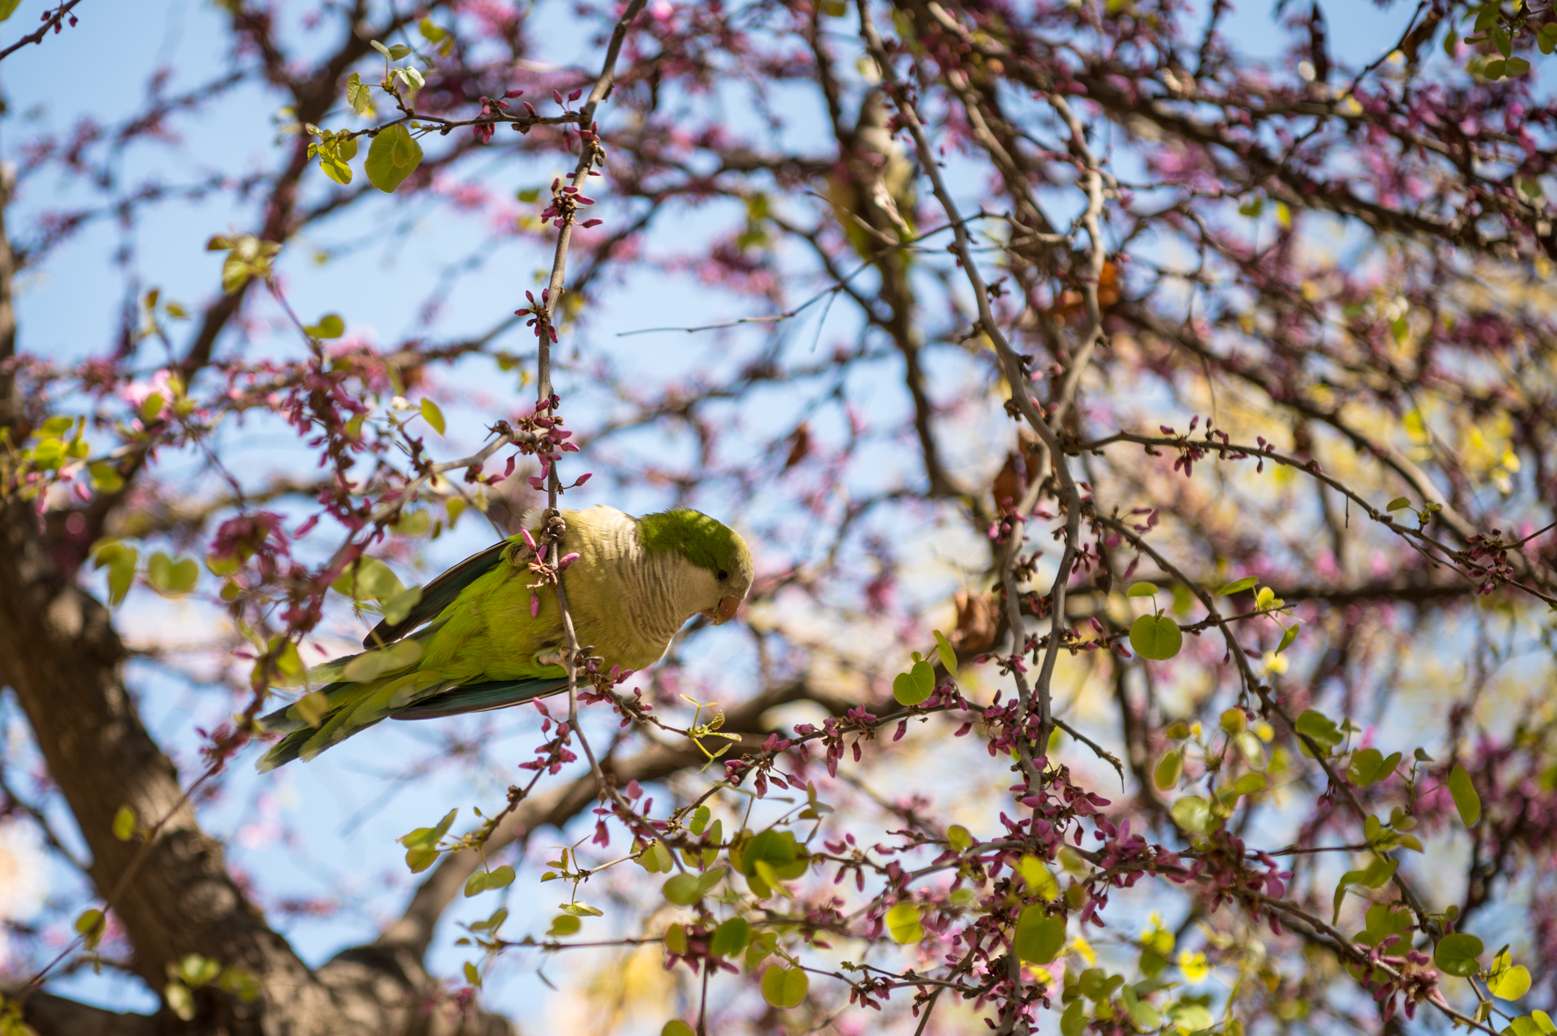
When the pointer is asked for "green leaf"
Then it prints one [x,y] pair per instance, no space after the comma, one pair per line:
[429,836]
[1193,814]
[368,579]
[564,925]
[1465,798]
[172,577]
[151,407]
[1319,728]
[1165,775]
[1288,635]
[481,881]
[1400,503]
[1143,588]
[1249,784]
[393,156]
[682,889]
[1143,1016]
[677,1027]
[105,476]
[656,858]
[180,1000]
[916,685]
[1265,600]
[959,837]
[730,937]
[1237,586]
[784,987]
[944,652]
[8,8]
[1074,1021]
[329,326]
[124,824]
[903,923]
[1040,936]
[89,925]
[1369,766]
[1458,954]
[433,416]
[196,971]
[1384,921]
[776,852]
[1156,637]
[359,96]
[1380,869]
[121,573]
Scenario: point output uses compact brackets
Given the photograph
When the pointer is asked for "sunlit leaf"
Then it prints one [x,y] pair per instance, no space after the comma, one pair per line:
[1466,801]
[1156,637]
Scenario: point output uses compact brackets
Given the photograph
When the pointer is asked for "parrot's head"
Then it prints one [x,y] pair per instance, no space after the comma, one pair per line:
[719,559]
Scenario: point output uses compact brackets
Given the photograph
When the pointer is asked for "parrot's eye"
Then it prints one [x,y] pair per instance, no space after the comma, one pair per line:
[722,575]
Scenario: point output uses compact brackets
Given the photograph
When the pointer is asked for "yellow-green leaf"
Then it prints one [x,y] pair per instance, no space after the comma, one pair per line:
[943,650]
[393,156]
[1509,983]
[784,987]
[1165,775]
[1465,798]
[433,416]
[89,925]
[903,923]
[1156,637]
[1039,878]
[730,937]
[124,824]
[1040,936]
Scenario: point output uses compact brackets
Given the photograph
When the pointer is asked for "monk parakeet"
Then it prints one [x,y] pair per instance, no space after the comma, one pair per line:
[872,189]
[481,638]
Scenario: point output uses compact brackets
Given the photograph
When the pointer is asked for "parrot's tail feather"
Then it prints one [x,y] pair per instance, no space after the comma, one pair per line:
[343,708]
[481,697]
[285,721]
[283,751]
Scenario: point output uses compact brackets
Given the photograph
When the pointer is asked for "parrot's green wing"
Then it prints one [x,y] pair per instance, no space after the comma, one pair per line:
[481,697]
[438,595]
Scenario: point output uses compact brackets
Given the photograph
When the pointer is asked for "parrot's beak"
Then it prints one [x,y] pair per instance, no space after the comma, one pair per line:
[724,611]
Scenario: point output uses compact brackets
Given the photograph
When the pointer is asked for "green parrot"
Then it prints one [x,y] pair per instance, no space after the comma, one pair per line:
[872,191]
[480,638]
